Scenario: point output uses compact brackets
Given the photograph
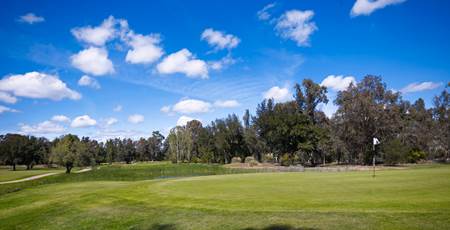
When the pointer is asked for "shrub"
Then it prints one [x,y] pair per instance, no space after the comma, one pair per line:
[251,161]
[395,152]
[236,160]
[268,158]
[415,156]
[285,160]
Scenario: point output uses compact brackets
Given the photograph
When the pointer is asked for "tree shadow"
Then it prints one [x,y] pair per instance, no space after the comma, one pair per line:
[281,227]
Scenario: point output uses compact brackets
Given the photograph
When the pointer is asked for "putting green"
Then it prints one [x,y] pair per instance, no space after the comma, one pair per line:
[395,199]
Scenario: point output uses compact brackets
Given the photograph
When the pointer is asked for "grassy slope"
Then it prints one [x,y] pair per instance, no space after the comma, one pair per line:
[7,174]
[395,199]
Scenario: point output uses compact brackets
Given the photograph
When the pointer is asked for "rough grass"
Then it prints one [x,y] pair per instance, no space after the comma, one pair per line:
[416,198]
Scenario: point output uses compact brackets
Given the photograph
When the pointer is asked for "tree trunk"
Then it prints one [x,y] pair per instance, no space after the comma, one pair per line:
[68,168]
[28,167]
[14,167]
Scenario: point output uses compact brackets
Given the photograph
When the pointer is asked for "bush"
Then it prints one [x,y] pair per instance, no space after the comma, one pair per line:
[395,152]
[236,160]
[268,158]
[285,160]
[415,156]
[251,161]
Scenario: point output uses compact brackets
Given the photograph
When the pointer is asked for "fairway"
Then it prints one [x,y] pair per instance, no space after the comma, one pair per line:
[414,198]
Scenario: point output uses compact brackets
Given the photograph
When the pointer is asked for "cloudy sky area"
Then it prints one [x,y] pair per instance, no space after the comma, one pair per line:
[124,69]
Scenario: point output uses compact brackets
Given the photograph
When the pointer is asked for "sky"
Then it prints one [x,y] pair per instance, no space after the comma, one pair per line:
[128,68]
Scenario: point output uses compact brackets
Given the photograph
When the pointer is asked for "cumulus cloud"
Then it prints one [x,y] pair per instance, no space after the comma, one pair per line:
[183,62]
[226,104]
[338,82]
[4,109]
[145,48]
[219,40]
[93,61]
[297,26]
[366,7]
[189,106]
[264,14]
[118,108]
[136,118]
[7,98]
[83,122]
[44,127]
[85,80]
[31,18]
[98,35]
[60,118]
[278,94]
[37,85]
[183,120]
[423,86]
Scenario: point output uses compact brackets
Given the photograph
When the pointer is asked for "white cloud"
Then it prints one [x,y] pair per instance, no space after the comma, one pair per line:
[93,61]
[111,121]
[165,109]
[338,82]
[297,26]
[7,98]
[44,127]
[417,87]
[278,94]
[37,85]
[97,35]
[118,108]
[183,62]
[85,80]
[219,40]
[188,106]
[226,104]
[83,122]
[366,7]
[60,118]
[31,18]
[7,109]
[145,48]
[222,63]
[105,134]
[136,118]
[183,120]
[264,14]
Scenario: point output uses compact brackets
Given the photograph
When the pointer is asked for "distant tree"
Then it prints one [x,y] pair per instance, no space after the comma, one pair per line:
[13,147]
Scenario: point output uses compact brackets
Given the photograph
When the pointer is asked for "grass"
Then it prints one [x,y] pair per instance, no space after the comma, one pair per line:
[415,198]
[7,174]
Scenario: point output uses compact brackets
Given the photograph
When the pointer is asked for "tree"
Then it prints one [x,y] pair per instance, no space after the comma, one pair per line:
[66,151]
[13,147]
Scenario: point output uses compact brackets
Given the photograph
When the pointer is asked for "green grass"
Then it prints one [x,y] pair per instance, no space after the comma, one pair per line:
[7,174]
[416,198]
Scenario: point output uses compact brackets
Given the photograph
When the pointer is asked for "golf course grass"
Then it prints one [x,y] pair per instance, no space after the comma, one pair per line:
[7,174]
[413,198]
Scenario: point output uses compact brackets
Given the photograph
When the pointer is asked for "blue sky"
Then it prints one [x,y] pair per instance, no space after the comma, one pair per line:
[127,68]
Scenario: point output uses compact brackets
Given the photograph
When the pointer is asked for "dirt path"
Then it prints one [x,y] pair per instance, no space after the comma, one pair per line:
[40,176]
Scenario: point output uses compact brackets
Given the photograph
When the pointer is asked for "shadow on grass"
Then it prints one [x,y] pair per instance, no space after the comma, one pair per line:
[280,227]
[163,227]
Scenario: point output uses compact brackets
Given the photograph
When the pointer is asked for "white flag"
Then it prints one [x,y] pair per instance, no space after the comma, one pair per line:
[375,141]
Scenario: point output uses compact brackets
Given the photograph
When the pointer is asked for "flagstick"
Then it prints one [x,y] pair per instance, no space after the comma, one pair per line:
[373,161]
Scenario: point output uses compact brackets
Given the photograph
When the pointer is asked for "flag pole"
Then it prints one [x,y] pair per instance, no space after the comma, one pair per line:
[373,160]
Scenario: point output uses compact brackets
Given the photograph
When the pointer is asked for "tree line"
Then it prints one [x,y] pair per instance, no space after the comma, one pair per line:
[293,132]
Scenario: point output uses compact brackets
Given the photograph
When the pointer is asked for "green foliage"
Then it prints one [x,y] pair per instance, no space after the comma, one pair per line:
[415,156]
[395,152]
